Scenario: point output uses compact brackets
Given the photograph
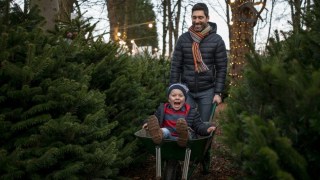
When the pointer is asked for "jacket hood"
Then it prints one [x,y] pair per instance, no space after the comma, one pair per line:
[214,27]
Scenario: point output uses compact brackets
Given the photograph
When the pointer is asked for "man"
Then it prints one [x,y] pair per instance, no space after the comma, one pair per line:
[199,61]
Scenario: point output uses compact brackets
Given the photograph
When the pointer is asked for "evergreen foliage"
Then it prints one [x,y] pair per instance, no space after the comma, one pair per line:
[69,108]
[53,125]
[271,125]
[134,88]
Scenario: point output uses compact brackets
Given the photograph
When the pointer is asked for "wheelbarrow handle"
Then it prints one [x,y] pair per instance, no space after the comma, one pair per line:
[213,109]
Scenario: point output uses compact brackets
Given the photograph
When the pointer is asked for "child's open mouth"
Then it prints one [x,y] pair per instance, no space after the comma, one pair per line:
[177,103]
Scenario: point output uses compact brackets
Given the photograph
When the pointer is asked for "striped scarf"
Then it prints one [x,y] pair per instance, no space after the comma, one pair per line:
[199,65]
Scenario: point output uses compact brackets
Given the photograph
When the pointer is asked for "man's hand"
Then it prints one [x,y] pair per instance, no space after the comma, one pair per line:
[210,129]
[217,98]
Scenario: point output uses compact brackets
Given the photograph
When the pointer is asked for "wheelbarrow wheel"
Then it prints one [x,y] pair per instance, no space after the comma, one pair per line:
[172,170]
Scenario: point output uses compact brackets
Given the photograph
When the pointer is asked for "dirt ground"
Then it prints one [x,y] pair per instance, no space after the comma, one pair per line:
[220,170]
[220,166]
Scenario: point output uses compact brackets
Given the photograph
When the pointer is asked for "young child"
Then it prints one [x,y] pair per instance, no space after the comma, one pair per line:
[174,119]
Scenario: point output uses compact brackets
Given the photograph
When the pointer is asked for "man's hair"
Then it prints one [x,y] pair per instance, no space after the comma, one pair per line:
[201,6]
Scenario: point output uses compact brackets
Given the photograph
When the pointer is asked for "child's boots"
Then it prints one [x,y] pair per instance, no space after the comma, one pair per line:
[154,129]
[183,133]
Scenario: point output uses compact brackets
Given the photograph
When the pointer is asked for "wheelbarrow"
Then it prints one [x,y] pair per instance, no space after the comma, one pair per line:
[170,155]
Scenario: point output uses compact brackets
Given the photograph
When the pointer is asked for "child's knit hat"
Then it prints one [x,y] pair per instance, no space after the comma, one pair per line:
[179,86]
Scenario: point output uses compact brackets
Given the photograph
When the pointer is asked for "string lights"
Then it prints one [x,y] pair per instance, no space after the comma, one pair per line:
[122,36]
[244,18]
[124,28]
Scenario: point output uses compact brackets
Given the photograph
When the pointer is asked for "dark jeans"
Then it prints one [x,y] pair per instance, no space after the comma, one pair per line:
[203,101]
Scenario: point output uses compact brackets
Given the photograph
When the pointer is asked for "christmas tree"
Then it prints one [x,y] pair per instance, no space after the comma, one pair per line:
[134,87]
[53,125]
[271,125]
[69,105]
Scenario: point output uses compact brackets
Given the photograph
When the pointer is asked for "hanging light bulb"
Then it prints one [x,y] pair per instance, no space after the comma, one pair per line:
[261,4]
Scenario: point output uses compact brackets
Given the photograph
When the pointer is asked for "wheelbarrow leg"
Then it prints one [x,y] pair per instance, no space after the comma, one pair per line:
[158,162]
[186,164]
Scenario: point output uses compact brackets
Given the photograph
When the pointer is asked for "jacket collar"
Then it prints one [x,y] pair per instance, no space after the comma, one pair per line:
[213,26]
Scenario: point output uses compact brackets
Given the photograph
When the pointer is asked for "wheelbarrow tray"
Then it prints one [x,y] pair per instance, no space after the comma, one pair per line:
[170,150]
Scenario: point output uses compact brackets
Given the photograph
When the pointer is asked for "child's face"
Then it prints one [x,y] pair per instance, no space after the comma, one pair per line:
[176,99]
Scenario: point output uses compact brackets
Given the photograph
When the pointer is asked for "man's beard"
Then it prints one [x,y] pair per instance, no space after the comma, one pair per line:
[199,26]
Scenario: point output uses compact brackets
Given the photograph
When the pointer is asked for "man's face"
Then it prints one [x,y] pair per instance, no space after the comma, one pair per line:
[199,20]
[176,99]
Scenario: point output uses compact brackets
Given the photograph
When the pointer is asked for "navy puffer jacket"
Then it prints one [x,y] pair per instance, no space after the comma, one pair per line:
[214,55]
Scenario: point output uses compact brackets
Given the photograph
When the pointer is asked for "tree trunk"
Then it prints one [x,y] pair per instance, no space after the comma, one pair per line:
[295,6]
[65,9]
[170,27]
[125,24]
[26,6]
[270,23]
[49,10]
[244,18]
[228,19]
[297,16]
[177,21]
[113,19]
[164,26]
[308,11]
